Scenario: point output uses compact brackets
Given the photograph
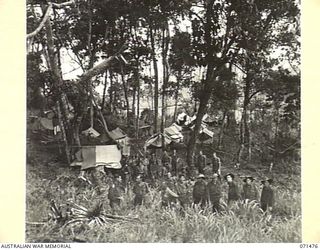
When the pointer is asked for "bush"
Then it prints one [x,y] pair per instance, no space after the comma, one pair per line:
[243,222]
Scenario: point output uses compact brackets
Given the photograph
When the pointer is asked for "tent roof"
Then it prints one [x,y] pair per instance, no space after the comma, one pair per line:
[173,132]
[117,134]
[156,140]
[91,132]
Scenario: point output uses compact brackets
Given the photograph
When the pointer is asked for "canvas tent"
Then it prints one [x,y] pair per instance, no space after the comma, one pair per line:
[205,135]
[99,155]
[155,141]
[117,134]
[174,133]
[121,137]
[91,132]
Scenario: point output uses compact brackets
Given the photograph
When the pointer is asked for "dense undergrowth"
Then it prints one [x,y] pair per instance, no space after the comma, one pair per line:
[244,222]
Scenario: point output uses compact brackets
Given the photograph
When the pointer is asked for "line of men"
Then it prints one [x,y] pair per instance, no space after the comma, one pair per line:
[182,192]
[154,168]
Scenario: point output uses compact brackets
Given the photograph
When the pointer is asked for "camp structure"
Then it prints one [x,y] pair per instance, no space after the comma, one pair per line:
[155,141]
[100,149]
[91,132]
[174,133]
[117,134]
[205,135]
[108,156]
[122,139]
[45,129]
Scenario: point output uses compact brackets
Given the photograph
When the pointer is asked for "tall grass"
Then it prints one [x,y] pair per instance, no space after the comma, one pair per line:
[243,222]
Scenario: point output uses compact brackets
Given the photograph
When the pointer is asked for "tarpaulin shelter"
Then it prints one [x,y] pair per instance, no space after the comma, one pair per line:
[117,134]
[205,135]
[155,141]
[121,137]
[99,155]
[91,132]
[174,133]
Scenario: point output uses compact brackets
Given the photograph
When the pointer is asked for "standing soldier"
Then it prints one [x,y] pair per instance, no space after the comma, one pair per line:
[216,164]
[233,191]
[249,190]
[139,190]
[115,193]
[201,162]
[267,195]
[163,171]
[182,191]
[214,192]
[166,157]
[168,191]
[199,191]
[174,162]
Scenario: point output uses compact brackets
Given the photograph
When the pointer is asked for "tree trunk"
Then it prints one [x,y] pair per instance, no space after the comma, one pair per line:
[62,106]
[221,132]
[244,127]
[138,105]
[276,134]
[134,101]
[112,93]
[104,91]
[125,94]
[156,79]
[176,94]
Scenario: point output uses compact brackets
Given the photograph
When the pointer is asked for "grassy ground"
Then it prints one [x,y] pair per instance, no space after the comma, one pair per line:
[244,222]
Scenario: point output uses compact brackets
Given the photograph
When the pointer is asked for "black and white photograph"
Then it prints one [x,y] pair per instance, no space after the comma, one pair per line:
[163,121]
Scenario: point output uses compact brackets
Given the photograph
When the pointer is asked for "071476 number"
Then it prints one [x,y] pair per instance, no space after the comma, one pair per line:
[308,245]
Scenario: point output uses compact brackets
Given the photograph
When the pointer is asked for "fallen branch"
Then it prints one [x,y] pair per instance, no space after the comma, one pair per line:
[100,68]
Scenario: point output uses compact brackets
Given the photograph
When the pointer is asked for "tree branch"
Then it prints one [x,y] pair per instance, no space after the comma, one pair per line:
[254,93]
[45,18]
[197,15]
[47,14]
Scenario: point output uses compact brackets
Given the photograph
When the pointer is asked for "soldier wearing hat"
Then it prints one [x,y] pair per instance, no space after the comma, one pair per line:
[249,190]
[182,190]
[233,190]
[267,195]
[214,192]
[200,191]
[216,163]
[201,162]
[168,191]
[139,190]
[115,193]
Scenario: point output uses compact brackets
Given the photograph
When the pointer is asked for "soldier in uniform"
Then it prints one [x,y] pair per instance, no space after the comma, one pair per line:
[199,191]
[216,163]
[182,191]
[115,193]
[201,162]
[166,157]
[168,191]
[174,162]
[267,196]
[249,190]
[233,190]
[214,192]
[139,190]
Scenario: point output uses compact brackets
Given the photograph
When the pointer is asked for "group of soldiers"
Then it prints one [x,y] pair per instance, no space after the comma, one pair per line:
[179,189]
